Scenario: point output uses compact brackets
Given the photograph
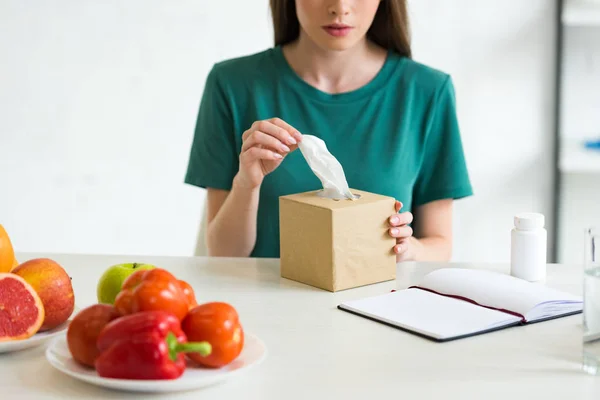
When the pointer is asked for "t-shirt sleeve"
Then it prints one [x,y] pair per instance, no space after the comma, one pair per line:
[213,159]
[443,173]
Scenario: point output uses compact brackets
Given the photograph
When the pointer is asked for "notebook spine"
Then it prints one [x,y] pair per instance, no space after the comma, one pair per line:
[516,314]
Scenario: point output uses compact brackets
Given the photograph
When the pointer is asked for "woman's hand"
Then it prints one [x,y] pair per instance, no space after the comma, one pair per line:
[400,230]
[264,146]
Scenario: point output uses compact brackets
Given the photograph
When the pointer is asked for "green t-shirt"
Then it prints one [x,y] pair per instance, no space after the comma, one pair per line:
[397,136]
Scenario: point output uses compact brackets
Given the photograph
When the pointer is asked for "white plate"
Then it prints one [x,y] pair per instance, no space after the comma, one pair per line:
[36,340]
[194,377]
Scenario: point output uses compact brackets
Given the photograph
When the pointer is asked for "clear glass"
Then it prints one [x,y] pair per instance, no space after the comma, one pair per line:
[591,302]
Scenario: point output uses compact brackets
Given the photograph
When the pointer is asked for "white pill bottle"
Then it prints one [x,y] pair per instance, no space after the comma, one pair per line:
[528,247]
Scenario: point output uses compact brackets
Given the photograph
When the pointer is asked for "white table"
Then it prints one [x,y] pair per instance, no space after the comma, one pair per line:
[316,350]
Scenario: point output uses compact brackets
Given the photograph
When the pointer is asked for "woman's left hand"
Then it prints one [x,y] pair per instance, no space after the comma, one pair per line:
[400,230]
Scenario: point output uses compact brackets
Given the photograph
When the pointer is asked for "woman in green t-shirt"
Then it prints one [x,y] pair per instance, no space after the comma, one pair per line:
[340,70]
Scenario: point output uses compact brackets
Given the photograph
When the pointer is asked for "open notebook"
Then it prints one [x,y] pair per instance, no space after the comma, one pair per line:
[453,303]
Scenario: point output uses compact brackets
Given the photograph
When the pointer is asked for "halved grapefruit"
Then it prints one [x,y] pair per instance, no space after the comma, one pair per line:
[21,309]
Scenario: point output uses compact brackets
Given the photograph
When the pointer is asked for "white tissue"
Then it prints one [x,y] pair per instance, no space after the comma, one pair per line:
[326,167]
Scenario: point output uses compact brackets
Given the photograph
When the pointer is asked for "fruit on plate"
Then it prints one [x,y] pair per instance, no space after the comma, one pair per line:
[218,324]
[152,290]
[145,345]
[84,330]
[7,254]
[21,309]
[112,279]
[53,285]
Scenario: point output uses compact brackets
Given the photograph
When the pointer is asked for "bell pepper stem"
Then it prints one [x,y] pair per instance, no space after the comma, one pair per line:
[203,348]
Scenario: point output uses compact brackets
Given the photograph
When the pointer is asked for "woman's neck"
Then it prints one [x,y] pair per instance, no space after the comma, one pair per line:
[335,71]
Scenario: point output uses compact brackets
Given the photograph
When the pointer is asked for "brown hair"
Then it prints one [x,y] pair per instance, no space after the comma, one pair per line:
[389,29]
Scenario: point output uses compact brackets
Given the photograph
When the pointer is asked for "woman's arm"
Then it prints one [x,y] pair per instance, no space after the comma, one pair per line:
[231,215]
[433,231]
[432,240]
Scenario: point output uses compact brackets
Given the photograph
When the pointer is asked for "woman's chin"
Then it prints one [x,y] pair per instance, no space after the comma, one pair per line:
[337,44]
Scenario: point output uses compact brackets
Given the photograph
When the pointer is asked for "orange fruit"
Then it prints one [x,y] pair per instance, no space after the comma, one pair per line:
[7,254]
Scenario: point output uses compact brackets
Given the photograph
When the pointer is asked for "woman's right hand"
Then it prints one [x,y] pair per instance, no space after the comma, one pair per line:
[264,147]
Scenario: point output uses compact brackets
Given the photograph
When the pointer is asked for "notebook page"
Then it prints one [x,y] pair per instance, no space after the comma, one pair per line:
[553,309]
[429,314]
[497,290]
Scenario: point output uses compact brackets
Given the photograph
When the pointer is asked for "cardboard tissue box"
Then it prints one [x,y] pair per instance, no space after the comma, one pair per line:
[336,238]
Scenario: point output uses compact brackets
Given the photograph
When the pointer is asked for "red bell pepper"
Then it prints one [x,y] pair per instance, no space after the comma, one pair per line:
[219,324]
[153,290]
[145,345]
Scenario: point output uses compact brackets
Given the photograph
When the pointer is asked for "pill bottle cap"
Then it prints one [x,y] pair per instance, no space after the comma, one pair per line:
[529,221]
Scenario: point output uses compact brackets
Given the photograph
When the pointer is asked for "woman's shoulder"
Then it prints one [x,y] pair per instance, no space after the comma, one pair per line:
[422,77]
[244,67]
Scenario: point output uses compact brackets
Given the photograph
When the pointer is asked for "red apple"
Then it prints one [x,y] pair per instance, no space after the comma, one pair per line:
[84,330]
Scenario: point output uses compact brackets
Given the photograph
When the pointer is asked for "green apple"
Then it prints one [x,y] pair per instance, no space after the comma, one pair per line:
[112,279]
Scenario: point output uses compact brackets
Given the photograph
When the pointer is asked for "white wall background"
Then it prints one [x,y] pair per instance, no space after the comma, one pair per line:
[580,197]
[581,83]
[501,56]
[98,102]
